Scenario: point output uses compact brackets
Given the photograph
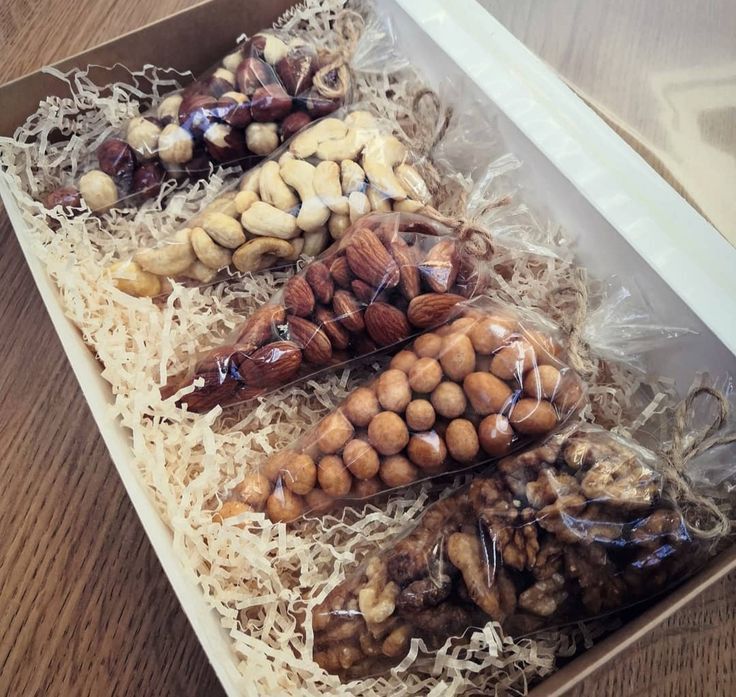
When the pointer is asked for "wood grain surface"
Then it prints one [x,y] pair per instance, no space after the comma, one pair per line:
[86,608]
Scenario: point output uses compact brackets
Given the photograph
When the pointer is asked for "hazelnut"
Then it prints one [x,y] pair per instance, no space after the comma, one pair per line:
[542,382]
[255,46]
[98,191]
[283,505]
[333,432]
[232,60]
[428,345]
[486,393]
[512,361]
[495,435]
[147,180]
[225,75]
[296,71]
[318,501]
[235,109]
[142,136]
[392,390]
[365,488]
[254,489]
[448,400]
[463,325]
[116,158]
[299,474]
[570,393]
[361,459]
[403,360]
[457,356]
[490,333]
[546,347]
[293,123]
[262,138]
[333,476]
[462,440]
[276,463]
[175,145]
[253,73]
[65,196]
[197,113]
[533,417]
[420,415]
[230,509]
[396,470]
[270,103]
[318,106]
[361,406]
[427,450]
[387,433]
[168,110]
[425,375]
[224,144]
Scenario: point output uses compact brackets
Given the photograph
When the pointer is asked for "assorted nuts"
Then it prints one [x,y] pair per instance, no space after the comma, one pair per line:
[564,531]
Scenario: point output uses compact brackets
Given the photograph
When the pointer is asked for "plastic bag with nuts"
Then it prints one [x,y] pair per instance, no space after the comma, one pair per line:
[487,382]
[389,277]
[579,526]
[294,204]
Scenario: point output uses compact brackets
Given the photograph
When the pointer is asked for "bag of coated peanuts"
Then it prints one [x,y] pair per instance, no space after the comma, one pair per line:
[483,384]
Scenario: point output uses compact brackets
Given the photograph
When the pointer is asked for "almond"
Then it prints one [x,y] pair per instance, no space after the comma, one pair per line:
[348,311]
[386,325]
[260,327]
[365,293]
[405,258]
[271,365]
[338,337]
[319,279]
[298,297]
[363,345]
[440,266]
[369,260]
[431,309]
[340,272]
[313,340]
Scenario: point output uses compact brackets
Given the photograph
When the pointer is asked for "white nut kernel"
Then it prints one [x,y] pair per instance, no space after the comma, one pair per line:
[313,214]
[133,280]
[98,190]
[337,225]
[412,181]
[224,230]
[305,143]
[274,190]
[352,177]
[315,242]
[170,258]
[208,251]
[143,136]
[275,49]
[262,138]
[175,145]
[263,219]
[327,186]
[169,107]
[381,155]
[261,253]
[359,205]
[243,201]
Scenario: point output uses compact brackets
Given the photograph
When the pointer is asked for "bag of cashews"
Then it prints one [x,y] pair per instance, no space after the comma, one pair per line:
[585,524]
[304,196]
[390,276]
[488,381]
[273,84]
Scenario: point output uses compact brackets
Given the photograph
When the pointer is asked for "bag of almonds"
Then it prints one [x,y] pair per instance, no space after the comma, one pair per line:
[294,204]
[484,384]
[272,85]
[390,276]
[585,524]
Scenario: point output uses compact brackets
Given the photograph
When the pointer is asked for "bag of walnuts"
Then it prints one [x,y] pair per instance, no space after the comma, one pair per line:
[579,526]
[294,204]
[484,384]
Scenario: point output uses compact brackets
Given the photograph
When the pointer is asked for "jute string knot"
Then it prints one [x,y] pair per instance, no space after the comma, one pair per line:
[332,80]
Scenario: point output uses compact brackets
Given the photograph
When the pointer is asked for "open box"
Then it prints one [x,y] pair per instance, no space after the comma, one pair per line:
[625,220]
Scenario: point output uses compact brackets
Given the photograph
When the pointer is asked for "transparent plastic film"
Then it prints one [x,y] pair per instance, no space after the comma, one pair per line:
[480,386]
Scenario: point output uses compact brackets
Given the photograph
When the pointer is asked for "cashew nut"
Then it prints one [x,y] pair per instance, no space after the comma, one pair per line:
[381,155]
[275,49]
[251,181]
[263,219]
[298,245]
[306,142]
[327,186]
[175,145]
[133,280]
[299,175]
[314,242]
[261,253]
[200,272]
[273,189]
[412,181]
[408,206]
[169,107]
[346,148]
[98,190]
[208,251]
[352,177]
[359,205]
[170,258]
[361,119]
[224,230]
[243,201]
[337,224]
[286,155]
[378,200]
[262,138]
[224,203]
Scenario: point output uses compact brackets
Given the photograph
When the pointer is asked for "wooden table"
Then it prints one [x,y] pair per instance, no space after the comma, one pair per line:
[86,608]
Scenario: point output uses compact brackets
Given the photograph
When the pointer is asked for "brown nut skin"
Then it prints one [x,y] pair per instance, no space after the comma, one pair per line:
[318,106]
[396,470]
[318,501]
[428,345]
[385,324]
[495,435]
[320,281]
[230,509]
[457,356]
[462,440]
[299,297]
[542,382]
[392,390]
[272,365]
[427,450]
[116,158]
[233,112]
[420,415]
[197,114]
[337,335]
[569,395]
[387,433]
[294,123]
[487,393]
[489,334]
[270,103]
[227,146]
[271,469]
[284,506]
[361,406]
[348,311]
[299,474]
[365,488]
[254,489]
[361,459]
[533,417]
[65,196]
[333,477]
[403,360]
[146,182]
[253,73]
[340,271]
[333,432]
[448,400]
[512,361]
[296,71]
[425,375]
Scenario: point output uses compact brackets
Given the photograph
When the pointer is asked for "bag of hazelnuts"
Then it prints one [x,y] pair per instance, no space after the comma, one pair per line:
[486,382]
[582,525]
[296,203]
[389,277]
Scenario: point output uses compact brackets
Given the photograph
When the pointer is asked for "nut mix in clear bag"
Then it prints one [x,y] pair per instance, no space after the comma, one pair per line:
[390,276]
[484,384]
[565,531]
[295,203]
